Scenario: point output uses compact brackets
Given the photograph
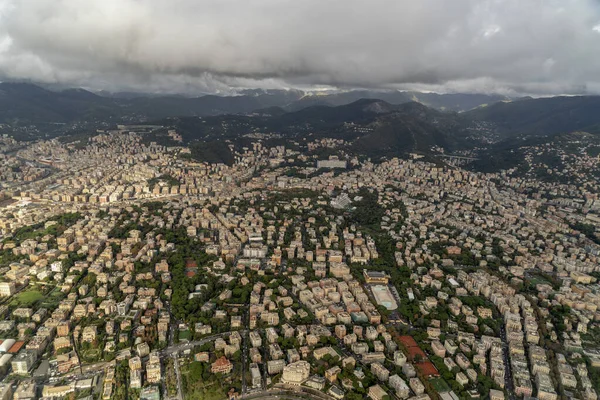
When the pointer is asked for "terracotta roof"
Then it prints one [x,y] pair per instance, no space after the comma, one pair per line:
[221,362]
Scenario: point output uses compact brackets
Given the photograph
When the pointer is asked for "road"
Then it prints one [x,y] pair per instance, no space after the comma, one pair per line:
[292,393]
[89,370]
[244,353]
[178,374]
[508,378]
[94,367]
[176,348]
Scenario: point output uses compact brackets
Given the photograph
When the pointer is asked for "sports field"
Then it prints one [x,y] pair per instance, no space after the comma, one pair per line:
[384,297]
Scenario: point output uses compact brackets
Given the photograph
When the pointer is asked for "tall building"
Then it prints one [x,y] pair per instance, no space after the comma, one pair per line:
[256,377]
[135,378]
[295,373]
[221,365]
[6,392]
[333,162]
[7,289]
[23,362]
[275,366]
[26,390]
[376,392]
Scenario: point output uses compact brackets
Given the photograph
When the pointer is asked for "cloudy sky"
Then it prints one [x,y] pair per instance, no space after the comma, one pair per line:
[504,46]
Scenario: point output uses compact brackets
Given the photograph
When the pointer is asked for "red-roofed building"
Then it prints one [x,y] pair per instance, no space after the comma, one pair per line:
[222,365]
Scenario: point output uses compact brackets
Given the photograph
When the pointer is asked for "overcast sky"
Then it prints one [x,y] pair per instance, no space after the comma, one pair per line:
[503,46]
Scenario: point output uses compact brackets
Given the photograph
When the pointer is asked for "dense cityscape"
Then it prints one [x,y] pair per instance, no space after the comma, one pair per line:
[299,200]
[131,270]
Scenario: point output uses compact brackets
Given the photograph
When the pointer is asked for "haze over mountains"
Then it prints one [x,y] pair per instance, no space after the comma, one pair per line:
[379,125]
[376,123]
[28,103]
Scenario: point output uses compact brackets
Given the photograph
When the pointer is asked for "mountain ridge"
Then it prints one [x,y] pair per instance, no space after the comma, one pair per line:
[372,127]
[27,103]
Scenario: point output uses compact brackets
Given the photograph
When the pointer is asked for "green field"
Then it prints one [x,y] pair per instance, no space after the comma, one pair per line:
[92,355]
[440,385]
[538,280]
[185,335]
[28,298]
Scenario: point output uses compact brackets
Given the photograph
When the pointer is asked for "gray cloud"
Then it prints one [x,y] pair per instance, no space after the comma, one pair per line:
[524,46]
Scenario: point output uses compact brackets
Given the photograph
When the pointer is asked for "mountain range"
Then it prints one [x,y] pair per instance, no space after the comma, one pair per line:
[25,103]
[544,116]
[374,123]
[378,129]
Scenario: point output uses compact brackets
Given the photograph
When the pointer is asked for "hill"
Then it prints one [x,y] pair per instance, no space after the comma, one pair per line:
[542,117]
[377,129]
[413,127]
[443,102]
[373,128]
[22,103]
[547,150]
[25,103]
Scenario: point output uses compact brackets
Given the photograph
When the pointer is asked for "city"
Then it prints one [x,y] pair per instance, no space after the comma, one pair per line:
[130,271]
[299,200]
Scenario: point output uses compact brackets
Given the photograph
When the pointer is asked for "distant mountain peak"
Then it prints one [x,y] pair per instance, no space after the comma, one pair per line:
[16,87]
[375,106]
[80,93]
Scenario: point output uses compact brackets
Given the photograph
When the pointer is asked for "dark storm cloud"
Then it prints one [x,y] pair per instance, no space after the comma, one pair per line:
[536,46]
